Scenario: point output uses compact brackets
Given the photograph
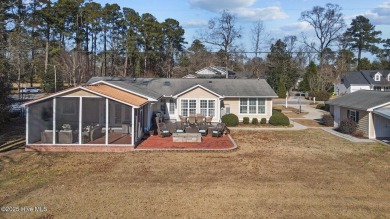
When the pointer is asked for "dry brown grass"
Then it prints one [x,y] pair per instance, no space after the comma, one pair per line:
[308,122]
[288,174]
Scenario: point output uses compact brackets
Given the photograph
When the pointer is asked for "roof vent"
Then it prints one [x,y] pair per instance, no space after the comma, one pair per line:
[167,83]
[210,81]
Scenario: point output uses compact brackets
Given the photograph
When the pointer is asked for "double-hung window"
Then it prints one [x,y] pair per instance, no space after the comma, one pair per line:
[252,106]
[207,107]
[353,115]
[171,106]
[188,107]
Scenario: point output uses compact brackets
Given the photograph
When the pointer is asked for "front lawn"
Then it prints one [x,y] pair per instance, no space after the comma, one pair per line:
[274,174]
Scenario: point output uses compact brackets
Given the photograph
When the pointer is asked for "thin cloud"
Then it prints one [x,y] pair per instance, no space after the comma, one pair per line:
[379,15]
[195,23]
[254,14]
[218,5]
[297,27]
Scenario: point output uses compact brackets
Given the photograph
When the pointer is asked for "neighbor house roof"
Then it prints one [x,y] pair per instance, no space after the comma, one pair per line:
[362,100]
[366,77]
[117,94]
[158,87]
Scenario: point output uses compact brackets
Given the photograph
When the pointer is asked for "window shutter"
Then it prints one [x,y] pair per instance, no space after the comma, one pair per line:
[357,116]
[348,114]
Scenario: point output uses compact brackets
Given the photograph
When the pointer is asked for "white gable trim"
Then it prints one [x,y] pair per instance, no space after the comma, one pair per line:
[52,95]
[194,87]
[75,88]
[121,88]
[382,105]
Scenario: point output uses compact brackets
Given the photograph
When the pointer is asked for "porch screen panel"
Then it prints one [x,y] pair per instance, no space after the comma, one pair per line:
[93,121]
[67,120]
[119,123]
[40,122]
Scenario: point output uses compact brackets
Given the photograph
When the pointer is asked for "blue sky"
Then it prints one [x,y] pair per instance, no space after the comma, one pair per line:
[280,18]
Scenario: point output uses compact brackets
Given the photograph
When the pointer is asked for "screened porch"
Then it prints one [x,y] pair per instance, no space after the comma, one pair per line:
[84,120]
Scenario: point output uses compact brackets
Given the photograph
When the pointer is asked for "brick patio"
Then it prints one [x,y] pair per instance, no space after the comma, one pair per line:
[208,142]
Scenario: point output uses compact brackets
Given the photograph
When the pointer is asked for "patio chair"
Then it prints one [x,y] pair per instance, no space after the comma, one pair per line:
[199,118]
[203,129]
[192,119]
[163,130]
[208,120]
[179,127]
[218,130]
[183,119]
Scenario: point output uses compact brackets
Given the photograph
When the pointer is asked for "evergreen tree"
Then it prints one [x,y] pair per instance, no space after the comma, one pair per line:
[362,36]
[282,89]
[309,82]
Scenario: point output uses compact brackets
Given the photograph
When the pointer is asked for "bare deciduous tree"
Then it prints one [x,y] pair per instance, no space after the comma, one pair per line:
[328,23]
[257,31]
[222,32]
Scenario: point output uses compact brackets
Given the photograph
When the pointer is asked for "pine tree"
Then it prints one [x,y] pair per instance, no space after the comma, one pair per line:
[282,89]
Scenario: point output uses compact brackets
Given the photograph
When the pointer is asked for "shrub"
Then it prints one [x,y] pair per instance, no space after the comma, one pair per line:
[230,119]
[320,95]
[263,121]
[245,120]
[322,106]
[279,118]
[255,121]
[327,120]
[347,126]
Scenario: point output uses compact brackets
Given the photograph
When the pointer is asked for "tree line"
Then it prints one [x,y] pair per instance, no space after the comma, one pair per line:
[77,39]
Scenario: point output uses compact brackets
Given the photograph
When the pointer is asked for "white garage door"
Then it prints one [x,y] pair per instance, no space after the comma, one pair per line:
[382,126]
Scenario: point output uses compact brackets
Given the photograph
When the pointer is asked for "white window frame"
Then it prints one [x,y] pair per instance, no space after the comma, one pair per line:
[388,77]
[171,103]
[257,106]
[188,106]
[352,117]
[377,77]
[208,106]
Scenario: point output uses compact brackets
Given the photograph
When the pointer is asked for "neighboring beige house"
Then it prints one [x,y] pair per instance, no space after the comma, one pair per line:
[116,112]
[370,109]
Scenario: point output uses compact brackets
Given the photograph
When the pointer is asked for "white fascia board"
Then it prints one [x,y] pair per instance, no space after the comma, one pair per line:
[379,106]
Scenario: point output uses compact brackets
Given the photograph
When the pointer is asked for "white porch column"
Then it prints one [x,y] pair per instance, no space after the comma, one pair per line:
[107,120]
[371,127]
[27,124]
[54,119]
[132,126]
[80,119]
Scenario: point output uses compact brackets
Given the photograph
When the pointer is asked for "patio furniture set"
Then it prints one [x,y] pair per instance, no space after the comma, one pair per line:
[190,129]
[69,136]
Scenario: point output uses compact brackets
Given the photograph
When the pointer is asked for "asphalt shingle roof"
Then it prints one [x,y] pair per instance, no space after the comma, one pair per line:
[362,99]
[157,87]
[366,77]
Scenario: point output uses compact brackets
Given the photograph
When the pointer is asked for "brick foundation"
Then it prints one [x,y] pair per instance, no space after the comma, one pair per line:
[73,148]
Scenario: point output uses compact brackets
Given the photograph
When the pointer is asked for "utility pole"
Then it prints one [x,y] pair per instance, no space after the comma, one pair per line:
[55,78]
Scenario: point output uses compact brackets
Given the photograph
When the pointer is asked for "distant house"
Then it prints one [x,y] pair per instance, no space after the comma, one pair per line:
[369,109]
[116,112]
[212,72]
[378,80]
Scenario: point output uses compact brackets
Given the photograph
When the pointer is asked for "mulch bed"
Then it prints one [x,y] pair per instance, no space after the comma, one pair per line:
[208,142]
